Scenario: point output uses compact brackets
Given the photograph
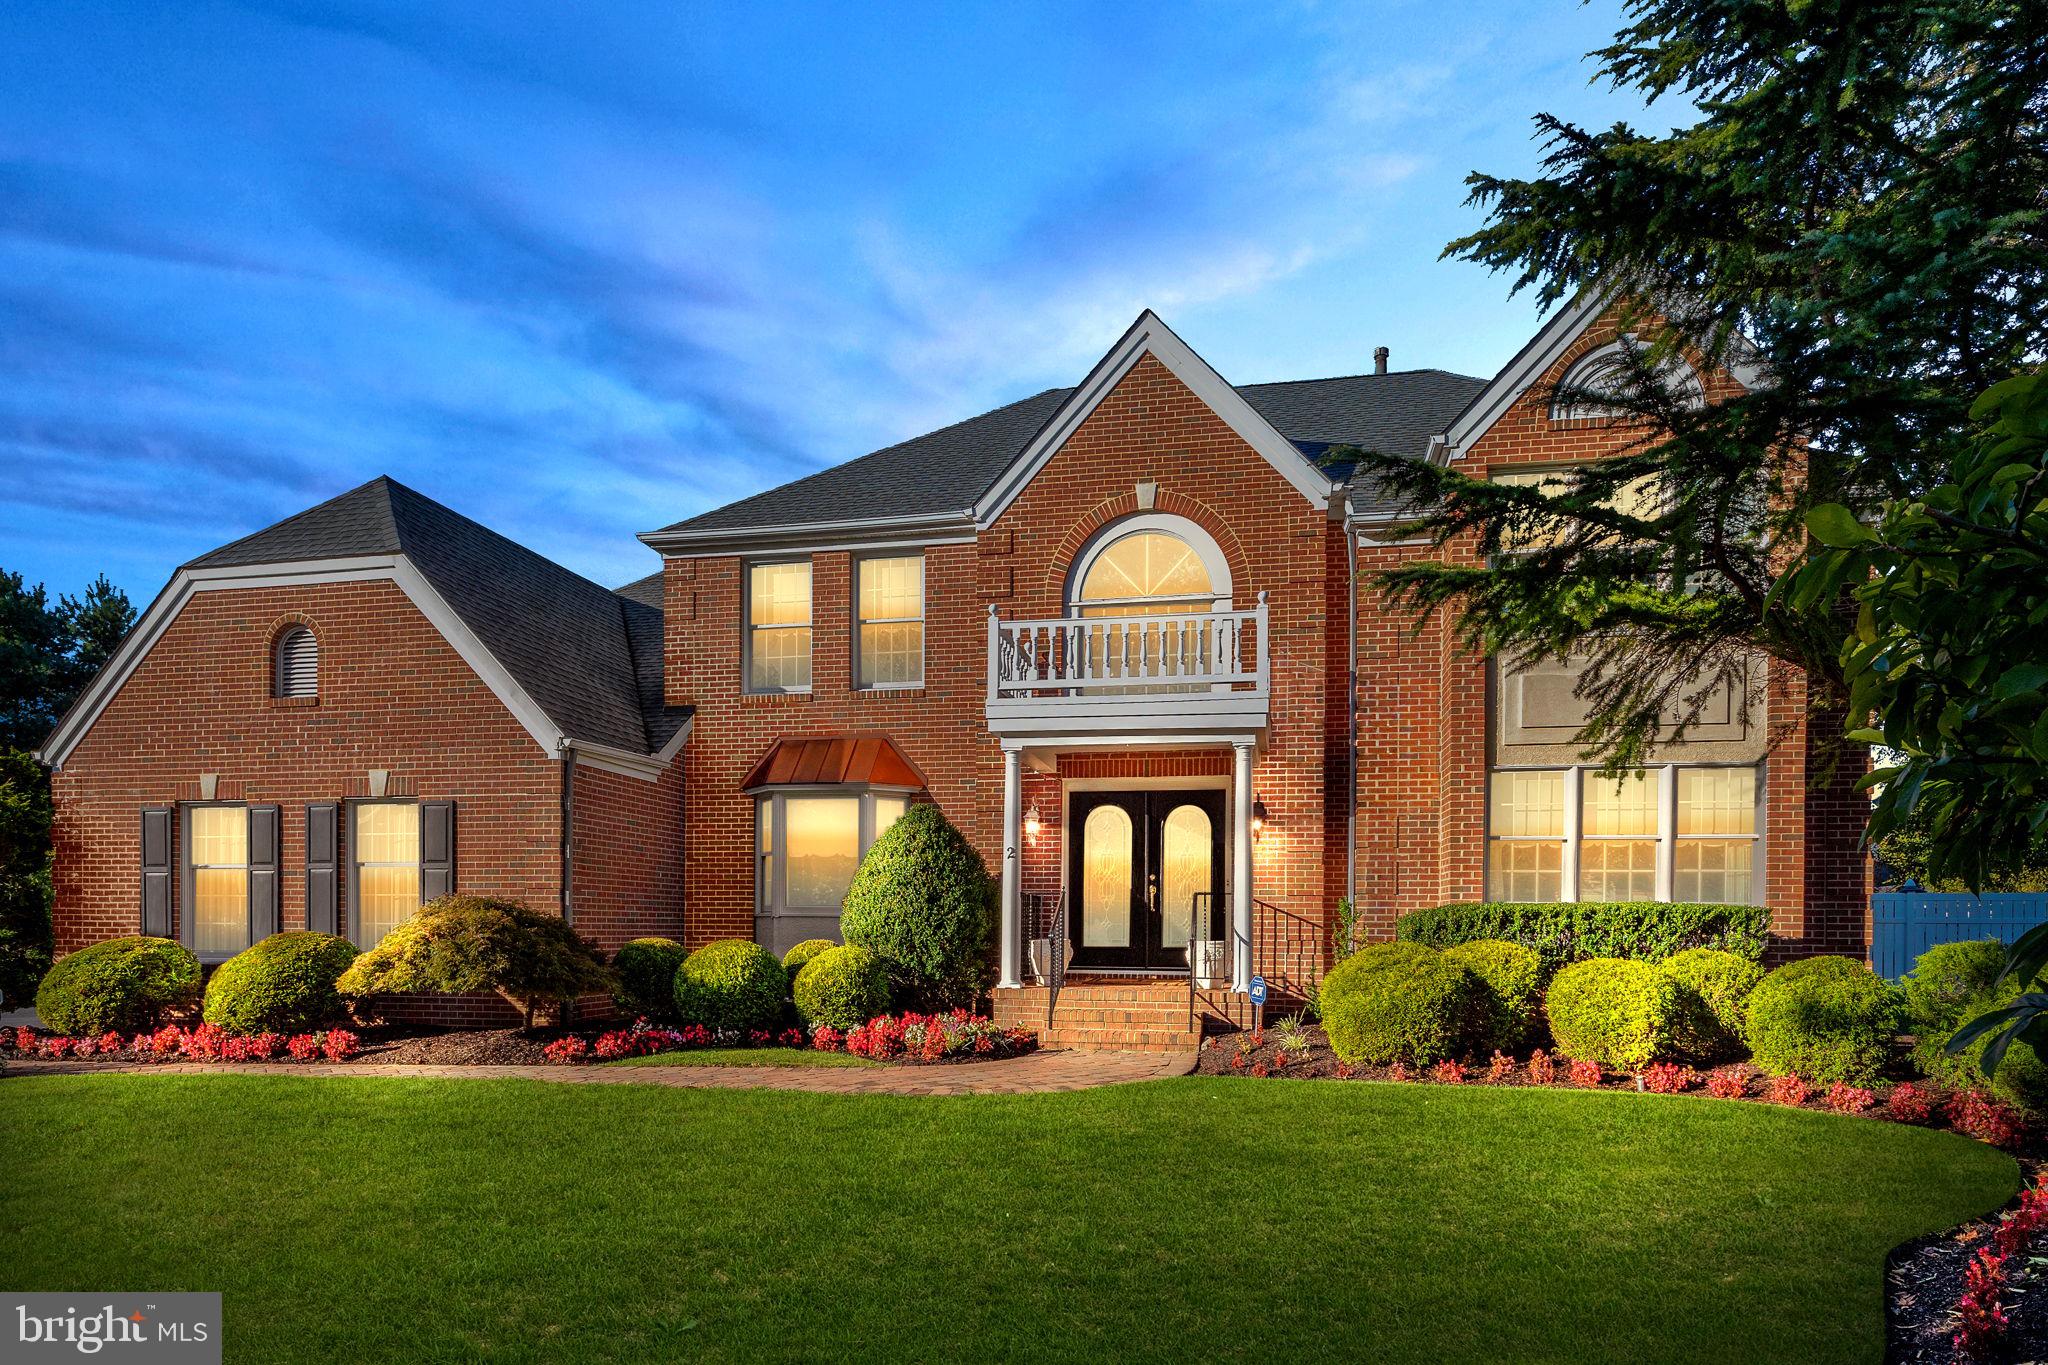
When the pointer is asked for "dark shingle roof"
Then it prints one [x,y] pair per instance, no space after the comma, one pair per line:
[948,470]
[590,658]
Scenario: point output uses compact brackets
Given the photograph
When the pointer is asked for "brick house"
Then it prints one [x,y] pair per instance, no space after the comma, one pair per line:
[1115,631]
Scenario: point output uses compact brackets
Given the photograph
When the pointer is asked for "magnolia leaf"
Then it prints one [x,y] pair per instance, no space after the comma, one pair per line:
[1833,524]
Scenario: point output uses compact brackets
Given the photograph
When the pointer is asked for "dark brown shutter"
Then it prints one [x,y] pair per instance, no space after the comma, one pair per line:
[437,849]
[263,860]
[323,824]
[156,871]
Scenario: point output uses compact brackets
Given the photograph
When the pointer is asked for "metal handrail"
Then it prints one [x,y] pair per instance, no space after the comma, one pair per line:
[1056,969]
[1287,948]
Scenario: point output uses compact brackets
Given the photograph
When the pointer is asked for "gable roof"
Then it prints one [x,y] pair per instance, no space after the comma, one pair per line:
[949,478]
[587,658]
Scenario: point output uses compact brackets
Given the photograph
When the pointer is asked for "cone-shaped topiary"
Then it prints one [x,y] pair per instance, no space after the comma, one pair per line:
[844,987]
[646,972]
[458,944]
[1825,1018]
[730,986]
[923,901]
[281,984]
[798,957]
[127,984]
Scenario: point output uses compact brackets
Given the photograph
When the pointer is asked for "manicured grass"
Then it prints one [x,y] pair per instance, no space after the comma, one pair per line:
[360,1219]
[745,1056]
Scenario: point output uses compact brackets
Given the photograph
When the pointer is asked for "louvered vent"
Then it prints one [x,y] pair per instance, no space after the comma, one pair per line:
[298,663]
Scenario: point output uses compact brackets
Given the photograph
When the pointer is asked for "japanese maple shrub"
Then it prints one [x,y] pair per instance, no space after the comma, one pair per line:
[924,903]
[1401,1002]
[125,983]
[731,986]
[459,944]
[283,984]
[842,987]
[1826,1018]
[1616,1012]
[646,973]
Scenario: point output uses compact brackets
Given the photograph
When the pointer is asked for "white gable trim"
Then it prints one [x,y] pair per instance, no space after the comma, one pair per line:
[190,582]
[1530,364]
[1150,336]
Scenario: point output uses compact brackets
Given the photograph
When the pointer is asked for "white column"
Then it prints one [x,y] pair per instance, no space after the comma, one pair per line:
[1241,874]
[1013,801]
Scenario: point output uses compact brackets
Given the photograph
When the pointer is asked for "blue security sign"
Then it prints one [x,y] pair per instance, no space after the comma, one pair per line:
[1258,990]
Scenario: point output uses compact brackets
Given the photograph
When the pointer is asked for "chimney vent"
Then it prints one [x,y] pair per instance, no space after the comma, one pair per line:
[1379,360]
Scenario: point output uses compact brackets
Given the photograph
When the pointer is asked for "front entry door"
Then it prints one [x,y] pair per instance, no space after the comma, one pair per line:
[1143,870]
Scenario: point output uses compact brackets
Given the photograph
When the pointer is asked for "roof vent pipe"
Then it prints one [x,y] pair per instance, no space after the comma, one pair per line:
[1379,360]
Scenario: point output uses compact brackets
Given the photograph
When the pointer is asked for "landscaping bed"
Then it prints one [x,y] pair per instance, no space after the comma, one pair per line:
[1971,1294]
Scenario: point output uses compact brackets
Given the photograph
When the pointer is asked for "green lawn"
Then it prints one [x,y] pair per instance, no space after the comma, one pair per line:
[366,1220]
[746,1056]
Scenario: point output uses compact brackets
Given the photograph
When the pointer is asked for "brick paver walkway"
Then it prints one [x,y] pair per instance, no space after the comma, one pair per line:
[1034,1073]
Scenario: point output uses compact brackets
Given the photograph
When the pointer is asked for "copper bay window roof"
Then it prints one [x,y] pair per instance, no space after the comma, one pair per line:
[835,761]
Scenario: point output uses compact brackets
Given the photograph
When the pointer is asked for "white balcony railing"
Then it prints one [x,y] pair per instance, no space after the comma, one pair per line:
[1080,656]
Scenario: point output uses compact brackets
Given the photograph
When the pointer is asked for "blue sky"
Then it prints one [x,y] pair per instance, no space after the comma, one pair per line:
[584,270]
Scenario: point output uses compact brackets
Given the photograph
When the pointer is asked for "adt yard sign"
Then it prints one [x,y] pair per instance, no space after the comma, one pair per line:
[1258,990]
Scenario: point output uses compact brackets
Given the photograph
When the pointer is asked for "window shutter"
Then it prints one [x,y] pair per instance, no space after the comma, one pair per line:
[437,849]
[323,824]
[156,871]
[263,859]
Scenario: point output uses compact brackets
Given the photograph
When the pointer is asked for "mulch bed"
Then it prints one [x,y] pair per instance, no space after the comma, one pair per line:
[1924,1278]
[458,1047]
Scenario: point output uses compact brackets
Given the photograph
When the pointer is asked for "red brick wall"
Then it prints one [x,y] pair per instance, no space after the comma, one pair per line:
[627,878]
[393,695]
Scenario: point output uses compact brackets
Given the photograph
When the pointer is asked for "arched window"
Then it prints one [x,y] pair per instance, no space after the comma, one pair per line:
[1149,566]
[297,670]
[1607,370]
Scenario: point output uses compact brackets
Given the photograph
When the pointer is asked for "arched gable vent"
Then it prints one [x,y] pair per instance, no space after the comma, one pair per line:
[1607,370]
[298,663]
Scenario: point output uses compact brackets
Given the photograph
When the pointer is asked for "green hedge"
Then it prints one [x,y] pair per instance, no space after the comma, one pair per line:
[1717,987]
[128,984]
[1825,1018]
[844,987]
[1646,930]
[730,986]
[281,984]
[1400,1002]
[1951,985]
[646,972]
[1618,1012]
[1512,977]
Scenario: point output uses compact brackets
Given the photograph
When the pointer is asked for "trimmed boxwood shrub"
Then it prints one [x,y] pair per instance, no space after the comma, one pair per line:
[281,984]
[730,986]
[1648,930]
[1826,1018]
[127,984]
[1400,1002]
[1617,1012]
[1512,976]
[923,901]
[457,944]
[1948,979]
[797,958]
[1951,985]
[1716,987]
[646,972]
[844,987]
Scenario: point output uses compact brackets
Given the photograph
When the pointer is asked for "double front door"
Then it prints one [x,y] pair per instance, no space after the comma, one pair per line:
[1144,873]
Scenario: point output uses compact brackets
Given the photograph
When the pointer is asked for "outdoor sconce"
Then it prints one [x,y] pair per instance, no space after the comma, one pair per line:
[1258,818]
[1032,824]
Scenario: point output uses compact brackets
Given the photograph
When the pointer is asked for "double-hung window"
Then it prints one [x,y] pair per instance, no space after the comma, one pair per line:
[1666,833]
[217,875]
[778,626]
[385,863]
[890,640]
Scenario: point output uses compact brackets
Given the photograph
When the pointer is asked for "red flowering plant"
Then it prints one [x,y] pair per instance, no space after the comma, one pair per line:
[1586,1074]
[304,1047]
[617,1043]
[338,1045]
[1975,1114]
[1542,1068]
[1668,1078]
[110,1042]
[1500,1068]
[569,1049]
[56,1045]
[1259,1069]
[1909,1103]
[1790,1088]
[1844,1098]
[1399,1072]
[1980,1319]
[792,1037]
[825,1038]
[24,1040]
[263,1047]
[1728,1082]
[1448,1072]
[1343,1071]
[203,1043]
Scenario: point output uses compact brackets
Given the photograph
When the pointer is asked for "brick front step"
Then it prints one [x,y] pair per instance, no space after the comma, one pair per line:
[1119,1015]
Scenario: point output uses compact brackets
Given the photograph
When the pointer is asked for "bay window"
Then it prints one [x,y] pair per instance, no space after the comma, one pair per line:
[808,844]
[1666,833]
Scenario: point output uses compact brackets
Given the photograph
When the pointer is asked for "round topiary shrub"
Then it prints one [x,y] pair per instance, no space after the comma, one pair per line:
[1512,976]
[798,957]
[1617,1012]
[1716,987]
[281,984]
[1826,1018]
[128,984]
[459,944]
[1401,1002]
[731,986]
[925,904]
[1947,979]
[844,987]
[646,972]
